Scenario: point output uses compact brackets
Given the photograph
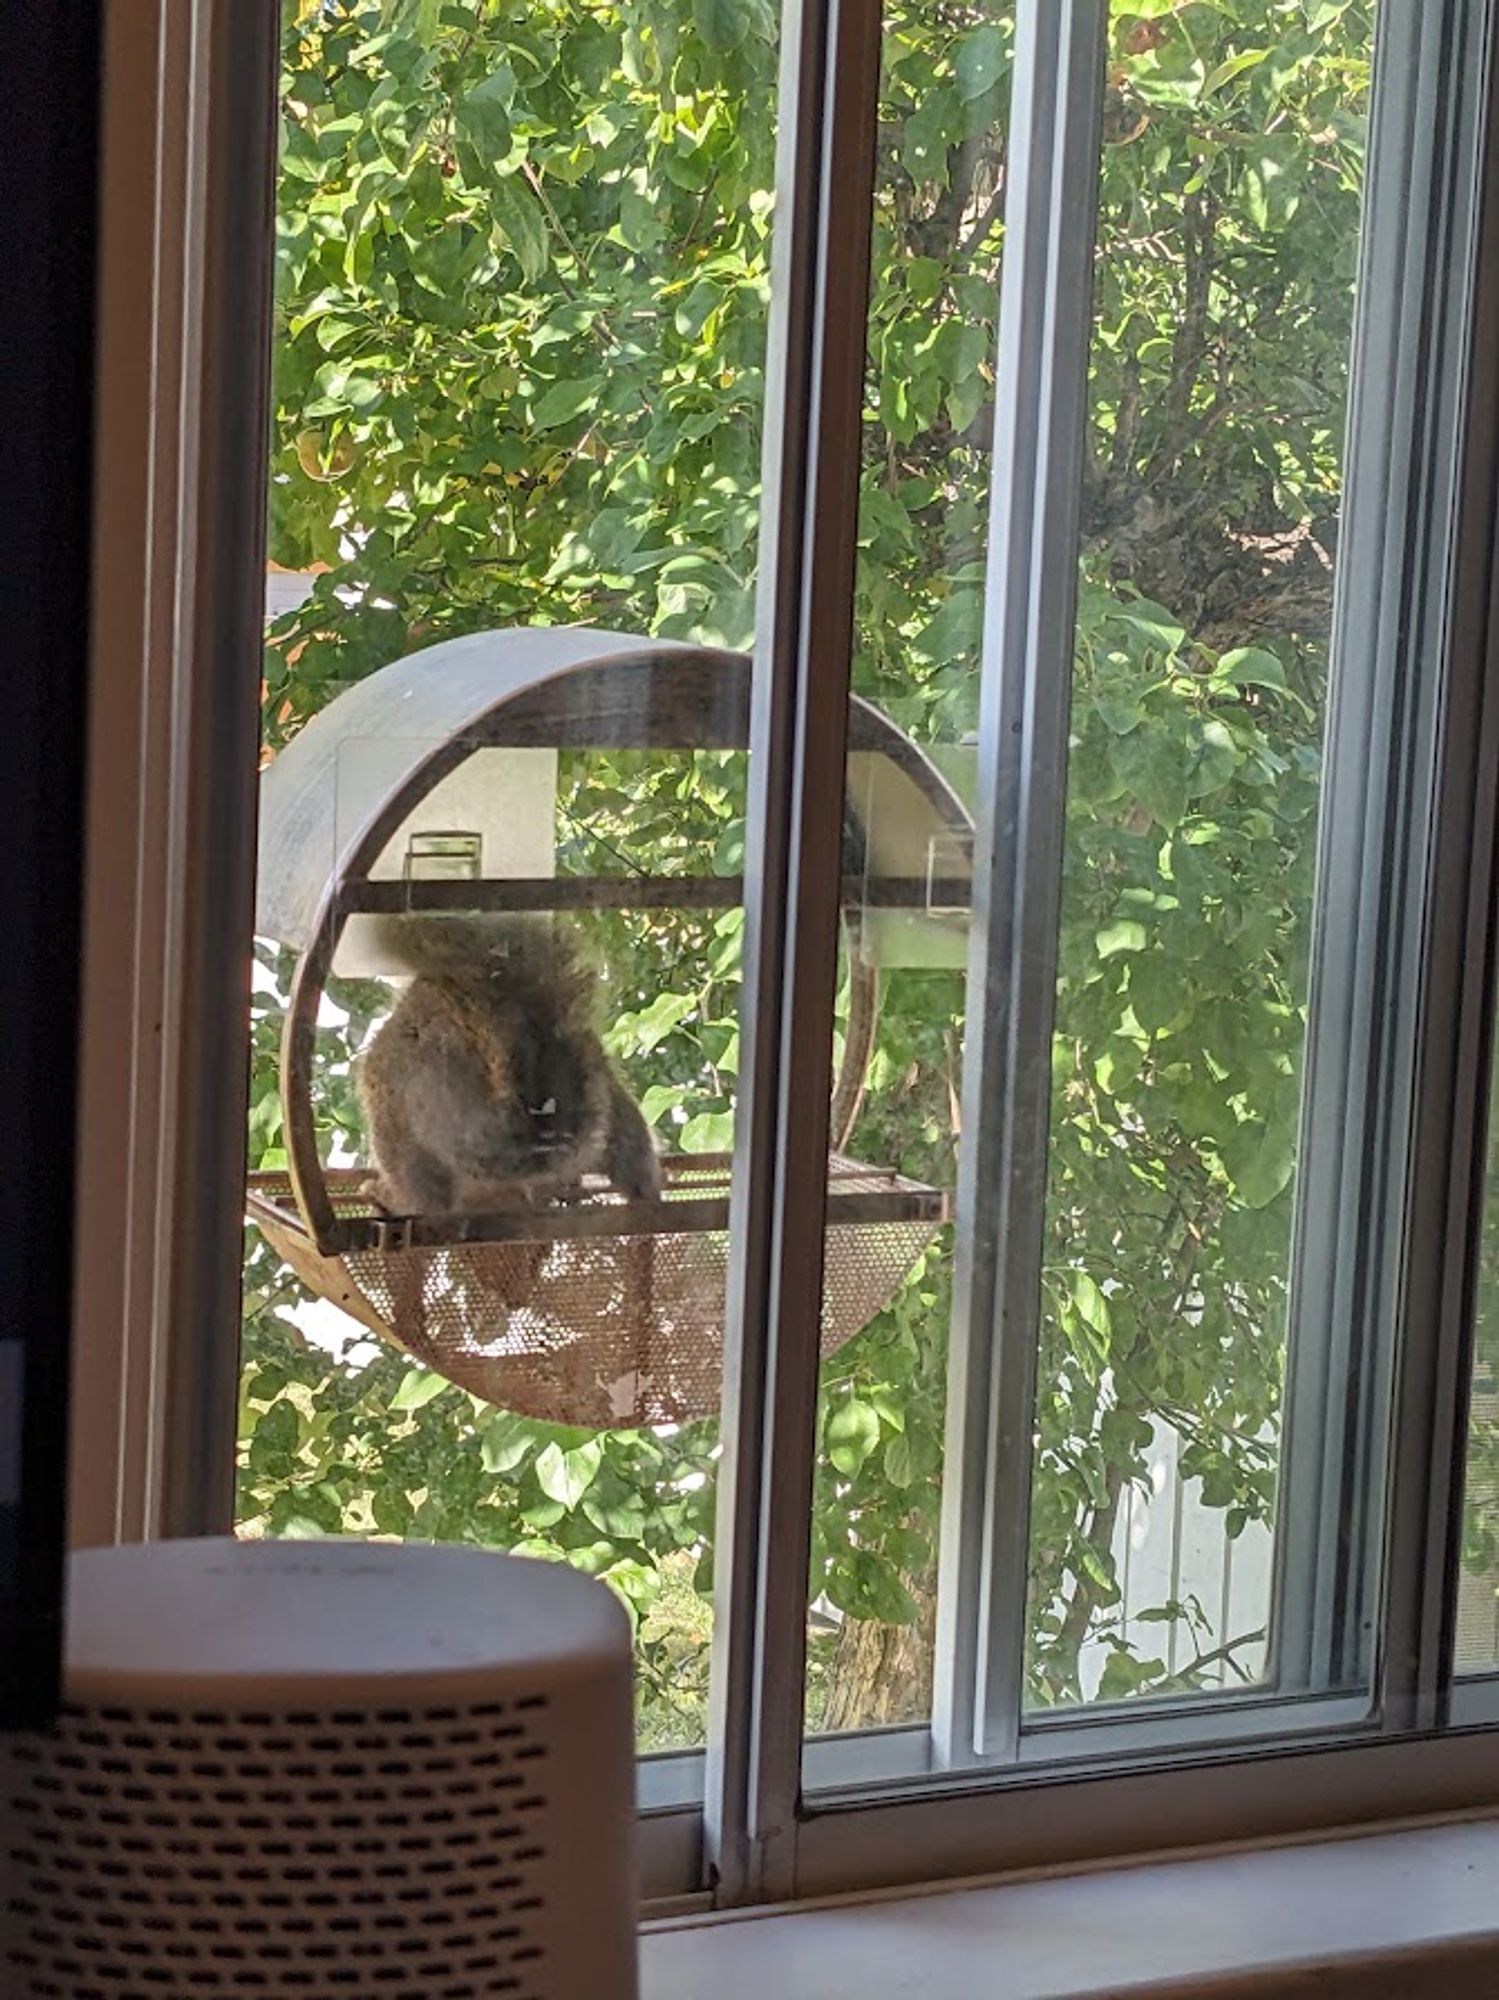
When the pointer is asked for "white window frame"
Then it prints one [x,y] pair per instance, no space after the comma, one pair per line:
[1366,1720]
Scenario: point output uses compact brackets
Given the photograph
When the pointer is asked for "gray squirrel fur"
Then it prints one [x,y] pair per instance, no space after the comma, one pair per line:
[487,1084]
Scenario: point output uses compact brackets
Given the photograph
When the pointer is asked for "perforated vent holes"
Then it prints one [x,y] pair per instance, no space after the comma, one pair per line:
[391,1854]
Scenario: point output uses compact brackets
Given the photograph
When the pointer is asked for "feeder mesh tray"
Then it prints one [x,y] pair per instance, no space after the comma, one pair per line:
[596,1330]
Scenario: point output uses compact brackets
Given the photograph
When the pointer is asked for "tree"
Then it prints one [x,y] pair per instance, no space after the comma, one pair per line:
[524,255]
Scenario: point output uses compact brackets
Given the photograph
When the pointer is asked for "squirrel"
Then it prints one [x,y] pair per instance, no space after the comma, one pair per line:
[487,1084]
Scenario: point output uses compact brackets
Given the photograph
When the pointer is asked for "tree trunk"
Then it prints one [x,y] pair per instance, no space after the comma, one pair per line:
[883,1673]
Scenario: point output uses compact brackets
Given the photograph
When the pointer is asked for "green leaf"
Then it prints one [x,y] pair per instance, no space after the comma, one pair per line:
[924,276]
[565,400]
[624,1520]
[484,114]
[1215,760]
[612,536]
[1157,991]
[640,224]
[1151,767]
[418,1387]
[1152,622]
[1124,1435]
[565,1476]
[1251,666]
[1273,180]
[980,58]
[723,24]
[660,1098]
[520,224]
[300,1528]
[1090,1302]
[708,1132]
[1234,66]
[638,1034]
[851,1434]
[1124,1675]
[1120,710]
[507,1442]
[1122,935]
[866,1586]
[1098,1569]
[955,631]
[1260,1160]
[1118,1068]
[593,1558]
[898,1464]
[965,399]
[343,386]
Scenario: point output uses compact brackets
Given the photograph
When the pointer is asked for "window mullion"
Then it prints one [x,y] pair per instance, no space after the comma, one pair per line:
[1042,369]
[220,619]
[829,94]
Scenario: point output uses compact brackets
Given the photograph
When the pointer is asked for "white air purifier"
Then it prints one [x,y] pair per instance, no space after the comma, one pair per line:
[326,1771]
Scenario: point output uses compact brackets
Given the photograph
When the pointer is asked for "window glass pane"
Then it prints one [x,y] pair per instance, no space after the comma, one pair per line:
[522,309]
[1223,307]
[1225,259]
[923,520]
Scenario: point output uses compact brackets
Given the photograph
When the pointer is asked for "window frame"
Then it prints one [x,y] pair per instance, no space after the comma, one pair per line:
[1390,1020]
[184,370]
[187,181]
[829,94]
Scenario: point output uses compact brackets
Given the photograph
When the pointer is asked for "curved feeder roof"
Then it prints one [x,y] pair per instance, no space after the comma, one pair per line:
[514,698]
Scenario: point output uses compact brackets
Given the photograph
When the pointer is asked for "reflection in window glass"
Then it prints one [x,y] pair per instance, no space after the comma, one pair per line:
[522,305]
[1223,310]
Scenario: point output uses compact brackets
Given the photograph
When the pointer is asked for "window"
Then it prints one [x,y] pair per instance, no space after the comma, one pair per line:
[950,552]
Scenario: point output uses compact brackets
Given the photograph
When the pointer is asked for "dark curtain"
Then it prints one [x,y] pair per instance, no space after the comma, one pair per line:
[49,73]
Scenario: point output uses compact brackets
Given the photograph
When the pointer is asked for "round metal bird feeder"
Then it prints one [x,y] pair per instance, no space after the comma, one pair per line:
[430,786]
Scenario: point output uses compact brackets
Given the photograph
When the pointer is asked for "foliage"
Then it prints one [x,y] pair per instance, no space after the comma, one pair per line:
[520,379]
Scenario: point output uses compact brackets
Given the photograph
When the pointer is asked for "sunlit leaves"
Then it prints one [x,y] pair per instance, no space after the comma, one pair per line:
[417,1389]
[852,1432]
[565,1476]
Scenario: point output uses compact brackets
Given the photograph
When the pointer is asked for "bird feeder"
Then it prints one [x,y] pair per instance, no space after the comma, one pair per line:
[431,785]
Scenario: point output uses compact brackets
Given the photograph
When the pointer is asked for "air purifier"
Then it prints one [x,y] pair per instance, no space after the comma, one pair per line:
[334,1770]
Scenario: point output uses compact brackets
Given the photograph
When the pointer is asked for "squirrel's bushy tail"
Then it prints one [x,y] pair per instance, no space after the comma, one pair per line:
[511,948]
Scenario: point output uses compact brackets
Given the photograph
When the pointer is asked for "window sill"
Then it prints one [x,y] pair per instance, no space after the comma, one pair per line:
[1412,1912]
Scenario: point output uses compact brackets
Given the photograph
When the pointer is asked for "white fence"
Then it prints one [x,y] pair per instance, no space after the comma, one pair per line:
[1171,1549]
